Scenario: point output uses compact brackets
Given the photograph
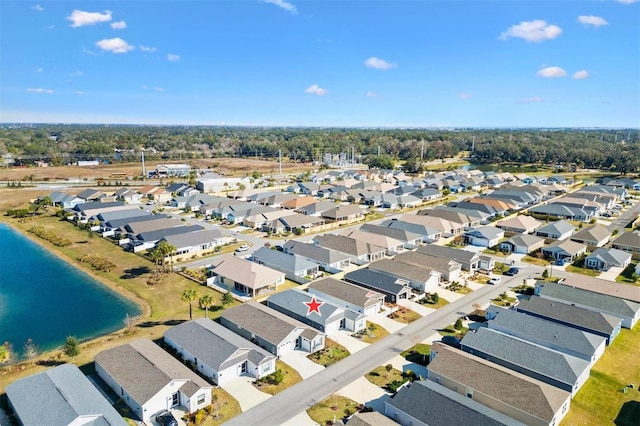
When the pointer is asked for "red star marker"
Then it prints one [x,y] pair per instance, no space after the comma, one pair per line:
[314,306]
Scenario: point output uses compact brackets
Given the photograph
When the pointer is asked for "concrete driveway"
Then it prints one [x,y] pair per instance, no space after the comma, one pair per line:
[246,394]
[387,323]
[365,392]
[298,361]
[352,344]
[611,274]
[420,309]
[399,363]
[301,419]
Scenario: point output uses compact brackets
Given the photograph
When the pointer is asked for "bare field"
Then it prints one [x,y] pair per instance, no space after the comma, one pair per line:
[227,166]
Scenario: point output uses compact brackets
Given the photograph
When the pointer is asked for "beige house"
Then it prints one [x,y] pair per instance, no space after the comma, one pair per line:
[519,224]
[244,276]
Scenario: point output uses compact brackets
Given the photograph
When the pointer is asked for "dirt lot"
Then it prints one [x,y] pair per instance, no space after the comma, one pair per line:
[227,166]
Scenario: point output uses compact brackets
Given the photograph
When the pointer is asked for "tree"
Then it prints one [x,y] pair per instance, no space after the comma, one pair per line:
[30,350]
[166,249]
[189,296]
[545,274]
[458,325]
[71,348]
[435,298]
[205,303]
[156,257]
[227,299]
[7,354]
[129,323]
[413,165]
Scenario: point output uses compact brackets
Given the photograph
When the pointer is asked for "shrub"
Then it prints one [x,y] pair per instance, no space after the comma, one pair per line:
[388,367]
[458,324]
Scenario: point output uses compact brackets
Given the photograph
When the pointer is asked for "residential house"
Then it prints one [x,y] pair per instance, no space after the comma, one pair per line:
[91,195]
[620,193]
[150,381]
[427,194]
[265,218]
[218,353]
[409,239]
[429,235]
[522,398]
[552,335]
[296,223]
[66,201]
[239,213]
[468,260]
[519,224]
[393,288]
[391,245]
[155,223]
[127,195]
[593,236]
[581,203]
[371,418]
[557,210]
[343,213]
[348,296]
[621,290]
[196,243]
[116,226]
[628,241]
[426,403]
[247,277]
[360,252]
[271,330]
[604,259]
[121,214]
[453,215]
[147,240]
[425,278]
[329,260]
[626,310]
[309,188]
[564,250]
[538,362]
[158,194]
[487,236]
[296,268]
[448,270]
[522,244]
[277,199]
[598,323]
[60,396]
[317,208]
[88,211]
[330,320]
[444,227]
[298,202]
[558,230]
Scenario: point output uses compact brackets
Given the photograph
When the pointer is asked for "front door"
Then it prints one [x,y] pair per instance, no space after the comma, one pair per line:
[343,324]
[175,399]
[243,368]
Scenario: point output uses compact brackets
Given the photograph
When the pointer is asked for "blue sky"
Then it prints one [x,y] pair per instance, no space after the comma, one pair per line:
[322,63]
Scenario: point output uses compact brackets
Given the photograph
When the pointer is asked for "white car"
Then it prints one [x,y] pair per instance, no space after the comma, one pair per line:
[494,281]
[242,248]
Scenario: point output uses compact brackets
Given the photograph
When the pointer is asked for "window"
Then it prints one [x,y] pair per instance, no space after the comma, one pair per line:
[469,393]
[201,399]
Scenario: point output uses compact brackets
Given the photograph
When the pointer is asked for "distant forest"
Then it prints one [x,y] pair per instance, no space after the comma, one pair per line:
[616,150]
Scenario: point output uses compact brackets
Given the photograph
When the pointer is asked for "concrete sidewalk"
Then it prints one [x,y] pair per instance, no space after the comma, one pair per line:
[298,361]
[420,309]
[344,338]
[245,393]
[387,323]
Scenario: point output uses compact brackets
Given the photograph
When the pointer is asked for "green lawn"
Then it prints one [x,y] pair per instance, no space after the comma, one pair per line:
[332,409]
[373,333]
[536,261]
[627,276]
[228,408]
[404,315]
[601,400]
[451,331]
[583,271]
[504,301]
[387,379]
[332,353]
[441,302]
[418,353]
[289,378]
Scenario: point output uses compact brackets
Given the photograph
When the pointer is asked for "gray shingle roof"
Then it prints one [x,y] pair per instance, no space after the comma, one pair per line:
[592,233]
[59,396]
[395,233]
[449,253]
[284,261]
[194,238]
[488,232]
[411,227]
[351,293]
[97,205]
[293,301]
[161,233]
[525,240]
[628,239]
[313,252]
[400,269]
[383,282]
[517,390]
[610,304]
[215,345]
[142,369]
[122,222]
[351,246]
[436,405]
[611,256]
[122,214]
[562,367]
[427,261]
[558,227]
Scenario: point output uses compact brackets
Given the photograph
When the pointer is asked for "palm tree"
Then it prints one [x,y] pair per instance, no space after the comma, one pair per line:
[205,303]
[189,296]
[227,298]
[166,249]
[156,257]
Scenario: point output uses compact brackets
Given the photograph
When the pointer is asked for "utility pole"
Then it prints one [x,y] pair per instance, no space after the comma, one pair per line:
[473,144]
[280,160]
[144,172]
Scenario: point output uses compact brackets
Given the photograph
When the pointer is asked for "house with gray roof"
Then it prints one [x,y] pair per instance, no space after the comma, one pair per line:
[332,318]
[426,403]
[427,194]
[121,214]
[563,212]
[348,296]
[423,278]
[391,245]
[593,236]
[611,288]
[626,310]
[558,230]
[409,239]
[429,235]
[91,194]
[317,208]
[271,330]
[295,223]
[147,240]
[487,236]
[116,226]
[218,353]
[329,260]
[566,250]
[371,418]
[449,270]
[150,381]
[468,260]
[249,278]
[392,287]
[343,213]
[546,333]
[628,241]
[296,268]
[527,400]
[594,322]
[555,368]
[90,210]
[520,224]
[360,252]
[522,243]
[60,396]
[604,259]
[156,223]
[196,243]
[66,201]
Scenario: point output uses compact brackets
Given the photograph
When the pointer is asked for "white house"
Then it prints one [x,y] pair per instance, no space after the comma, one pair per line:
[487,236]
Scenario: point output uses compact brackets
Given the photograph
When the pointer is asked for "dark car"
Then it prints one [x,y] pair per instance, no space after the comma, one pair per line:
[512,271]
[451,341]
[560,262]
[166,419]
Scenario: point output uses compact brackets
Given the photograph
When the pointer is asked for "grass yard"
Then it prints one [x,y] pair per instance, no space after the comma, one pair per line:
[405,315]
[627,276]
[601,400]
[451,331]
[289,378]
[228,408]
[372,333]
[504,300]
[428,302]
[387,378]
[332,409]
[536,261]
[583,271]
[332,353]
[418,353]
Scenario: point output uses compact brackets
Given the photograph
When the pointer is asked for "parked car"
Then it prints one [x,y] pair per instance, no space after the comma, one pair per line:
[560,262]
[166,419]
[512,271]
[451,341]
[243,247]
[494,281]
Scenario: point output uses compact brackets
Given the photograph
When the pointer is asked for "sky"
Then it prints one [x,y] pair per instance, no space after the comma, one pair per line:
[329,63]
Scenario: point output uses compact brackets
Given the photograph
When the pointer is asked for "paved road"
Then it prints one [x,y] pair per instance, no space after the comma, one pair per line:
[621,221]
[307,393]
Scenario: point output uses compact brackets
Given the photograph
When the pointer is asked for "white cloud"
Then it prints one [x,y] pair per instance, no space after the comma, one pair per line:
[79,92]
[534,31]
[531,100]
[627,1]
[552,72]
[89,52]
[81,18]
[39,90]
[372,95]
[115,45]
[40,70]
[173,58]
[283,4]
[580,75]
[147,48]
[465,95]
[37,7]
[315,90]
[596,21]
[119,25]
[378,64]
[158,89]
